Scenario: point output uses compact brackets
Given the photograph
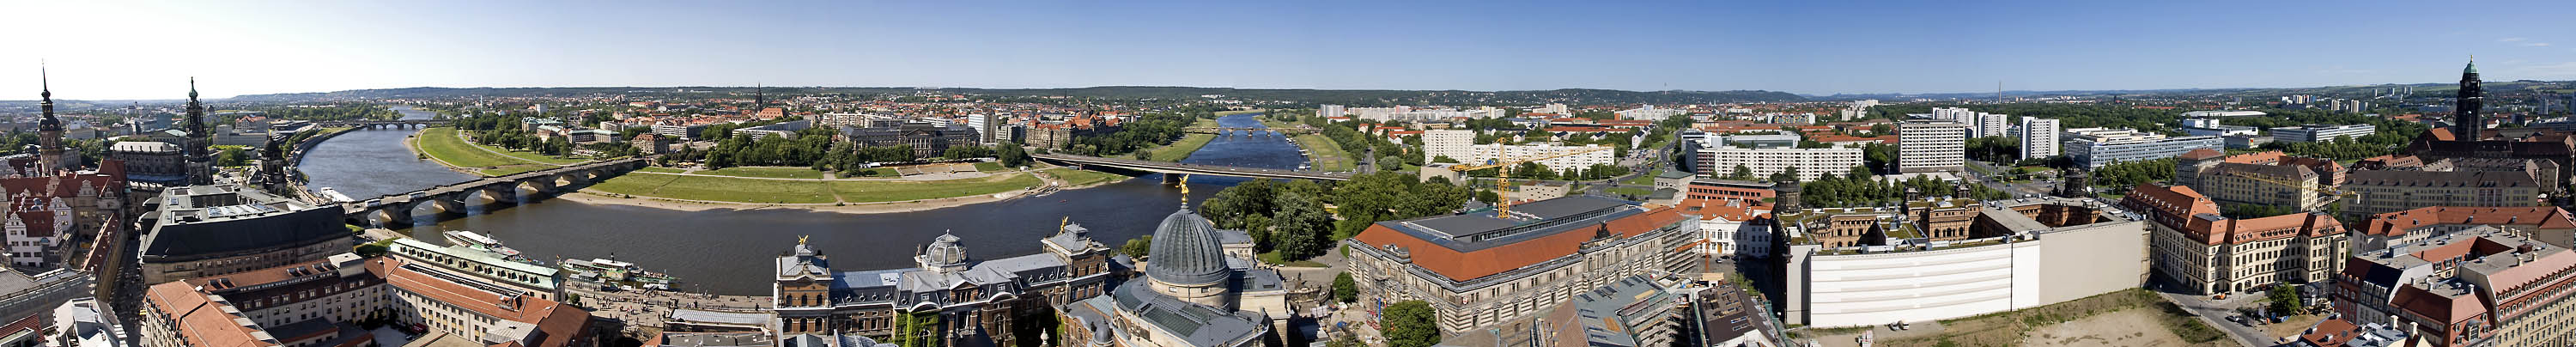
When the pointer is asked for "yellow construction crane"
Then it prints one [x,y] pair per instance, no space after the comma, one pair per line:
[1503,207]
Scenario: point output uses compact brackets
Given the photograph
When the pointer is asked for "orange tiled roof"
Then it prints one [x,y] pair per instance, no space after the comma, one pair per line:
[1465,266]
[2396,223]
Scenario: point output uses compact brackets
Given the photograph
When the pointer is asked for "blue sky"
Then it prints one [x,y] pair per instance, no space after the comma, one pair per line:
[120,50]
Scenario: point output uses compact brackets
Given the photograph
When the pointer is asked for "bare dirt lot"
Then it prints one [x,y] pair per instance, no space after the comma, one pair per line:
[2130,327]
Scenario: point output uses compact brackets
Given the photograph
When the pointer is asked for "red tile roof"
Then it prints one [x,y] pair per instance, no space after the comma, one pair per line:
[2397,223]
[1465,266]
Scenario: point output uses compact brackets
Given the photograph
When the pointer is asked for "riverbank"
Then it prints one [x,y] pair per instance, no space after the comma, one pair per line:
[699,191]
[1181,149]
[448,147]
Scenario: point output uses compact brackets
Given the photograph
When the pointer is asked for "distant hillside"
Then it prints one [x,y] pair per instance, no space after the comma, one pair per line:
[1290,96]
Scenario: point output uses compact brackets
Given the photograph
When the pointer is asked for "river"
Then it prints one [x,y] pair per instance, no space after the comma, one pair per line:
[730,251]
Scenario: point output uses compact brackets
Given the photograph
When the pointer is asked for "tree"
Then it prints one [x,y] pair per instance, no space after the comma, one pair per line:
[1411,323]
[1741,173]
[1138,247]
[232,156]
[1789,175]
[1345,289]
[1011,155]
[1302,229]
[2285,300]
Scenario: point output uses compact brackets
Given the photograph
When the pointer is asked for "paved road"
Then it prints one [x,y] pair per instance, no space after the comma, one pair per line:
[2215,312]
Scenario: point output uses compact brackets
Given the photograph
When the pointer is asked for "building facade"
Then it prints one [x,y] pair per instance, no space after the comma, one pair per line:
[200,231]
[2202,252]
[2478,287]
[1811,163]
[2384,191]
[2093,148]
[2544,223]
[2321,133]
[961,297]
[2262,178]
[1188,273]
[1931,147]
[2038,137]
[2027,253]
[1483,270]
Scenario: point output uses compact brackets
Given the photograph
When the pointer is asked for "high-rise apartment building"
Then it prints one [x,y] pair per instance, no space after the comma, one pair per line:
[1331,111]
[1931,146]
[2038,137]
[2093,148]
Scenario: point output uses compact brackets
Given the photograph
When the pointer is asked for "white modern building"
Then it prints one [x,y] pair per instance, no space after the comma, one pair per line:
[1649,112]
[2093,148]
[2045,251]
[2038,137]
[1331,111]
[1496,152]
[2321,133]
[985,125]
[1931,146]
[2215,114]
[1452,143]
[1717,160]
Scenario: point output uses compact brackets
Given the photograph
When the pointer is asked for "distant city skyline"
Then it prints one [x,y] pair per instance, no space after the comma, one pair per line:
[147,50]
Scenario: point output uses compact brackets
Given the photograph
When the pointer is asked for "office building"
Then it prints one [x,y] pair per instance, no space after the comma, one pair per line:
[1930,146]
[1487,269]
[2202,252]
[2093,148]
[2038,137]
[2321,133]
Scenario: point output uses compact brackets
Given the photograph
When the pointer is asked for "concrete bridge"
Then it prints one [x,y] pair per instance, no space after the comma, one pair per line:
[1249,130]
[1174,169]
[387,124]
[453,200]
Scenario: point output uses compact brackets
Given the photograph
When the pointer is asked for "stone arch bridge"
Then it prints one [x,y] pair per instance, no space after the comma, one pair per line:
[453,200]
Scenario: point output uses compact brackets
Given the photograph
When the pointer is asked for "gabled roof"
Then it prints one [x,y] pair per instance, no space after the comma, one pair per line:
[1468,264]
[2397,223]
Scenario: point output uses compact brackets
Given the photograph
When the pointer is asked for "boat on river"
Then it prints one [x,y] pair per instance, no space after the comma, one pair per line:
[613,271]
[484,243]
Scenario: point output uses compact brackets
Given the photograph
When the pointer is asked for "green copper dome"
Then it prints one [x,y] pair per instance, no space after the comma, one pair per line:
[2473,66]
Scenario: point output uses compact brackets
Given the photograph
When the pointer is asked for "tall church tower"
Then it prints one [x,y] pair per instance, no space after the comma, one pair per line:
[201,165]
[272,168]
[49,159]
[2464,117]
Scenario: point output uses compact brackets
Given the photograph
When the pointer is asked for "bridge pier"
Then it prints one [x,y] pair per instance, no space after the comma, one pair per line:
[1172,179]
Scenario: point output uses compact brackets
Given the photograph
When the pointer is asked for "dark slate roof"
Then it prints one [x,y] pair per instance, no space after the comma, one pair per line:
[1186,252]
[1195,324]
[215,221]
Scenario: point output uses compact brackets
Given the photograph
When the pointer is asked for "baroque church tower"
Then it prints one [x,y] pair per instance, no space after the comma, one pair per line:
[201,165]
[49,159]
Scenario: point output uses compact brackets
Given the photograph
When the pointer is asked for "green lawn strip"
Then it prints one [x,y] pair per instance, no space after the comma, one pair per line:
[1647,179]
[533,156]
[744,190]
[1179,149]
[638,183]
[767,172]
[1326,154]
[661,170]
[1078,178]
[897,190]
[512,170]
[990,166]
[442,143]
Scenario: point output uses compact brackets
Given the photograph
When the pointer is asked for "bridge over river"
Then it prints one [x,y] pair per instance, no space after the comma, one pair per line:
[447,200]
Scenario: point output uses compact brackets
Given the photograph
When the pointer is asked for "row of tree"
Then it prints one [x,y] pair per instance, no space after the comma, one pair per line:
[1859,189]
[1289,217]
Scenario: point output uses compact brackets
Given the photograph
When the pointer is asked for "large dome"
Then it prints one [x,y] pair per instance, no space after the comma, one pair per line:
[943,252]
[1186,252]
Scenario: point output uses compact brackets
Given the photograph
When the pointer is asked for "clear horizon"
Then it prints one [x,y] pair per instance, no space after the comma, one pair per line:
[147,51]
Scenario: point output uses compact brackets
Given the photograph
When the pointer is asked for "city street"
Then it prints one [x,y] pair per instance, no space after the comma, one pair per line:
[2215,312]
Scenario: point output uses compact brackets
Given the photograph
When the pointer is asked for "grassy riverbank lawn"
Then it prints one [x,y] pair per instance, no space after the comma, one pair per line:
[724,189]
[767,172]
[1326,154]
[892,190]
[1077,178]
[443,144]
[1181,149]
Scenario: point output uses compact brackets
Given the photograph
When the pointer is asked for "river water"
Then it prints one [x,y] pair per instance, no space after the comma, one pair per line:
[729,251]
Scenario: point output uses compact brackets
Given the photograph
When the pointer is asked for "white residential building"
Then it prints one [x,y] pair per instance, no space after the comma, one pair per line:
[1558,109]
[1483,153]
[1732,230]
[1449,143]
[2093,148]
[2321,133]
[985,125]
[1649,112]
[2039,137]
[1331,111]
[1812,163]
[1931,146]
